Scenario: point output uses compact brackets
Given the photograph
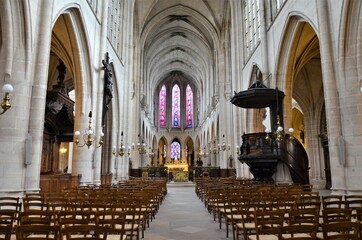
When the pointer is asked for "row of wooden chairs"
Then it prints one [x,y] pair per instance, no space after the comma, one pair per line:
[223,201]
[138,202]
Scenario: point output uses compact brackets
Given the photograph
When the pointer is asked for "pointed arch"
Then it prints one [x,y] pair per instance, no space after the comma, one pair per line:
[162,150]
[175,151]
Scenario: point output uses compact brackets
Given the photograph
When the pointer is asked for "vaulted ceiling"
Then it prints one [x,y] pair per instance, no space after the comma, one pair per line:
[179,36]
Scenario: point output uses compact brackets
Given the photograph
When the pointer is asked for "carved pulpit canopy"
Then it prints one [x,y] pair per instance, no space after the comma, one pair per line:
[260,96]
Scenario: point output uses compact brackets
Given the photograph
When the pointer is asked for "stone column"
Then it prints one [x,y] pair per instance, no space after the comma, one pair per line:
[99,103]
[38,93]
[331,98]
[236,34]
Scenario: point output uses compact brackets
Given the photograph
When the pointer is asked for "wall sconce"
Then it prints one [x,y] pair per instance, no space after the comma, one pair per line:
[151,154]
[5,105]
[121,150]
[213,147]
[89,137]
[237,150]
[141,146]
[204,153]
[224,147]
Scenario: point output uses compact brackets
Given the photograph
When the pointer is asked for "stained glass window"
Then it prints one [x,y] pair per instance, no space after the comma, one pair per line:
[162,106]
[176,106]
[189,106]
[175,150]
[252,25]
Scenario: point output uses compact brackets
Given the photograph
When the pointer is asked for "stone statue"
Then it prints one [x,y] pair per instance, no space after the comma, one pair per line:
[108,83]
[108,87]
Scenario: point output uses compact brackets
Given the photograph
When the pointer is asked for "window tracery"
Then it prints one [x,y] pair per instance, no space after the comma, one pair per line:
[162,106]
[251,25]
[189,106]
[176,106]
[175,150]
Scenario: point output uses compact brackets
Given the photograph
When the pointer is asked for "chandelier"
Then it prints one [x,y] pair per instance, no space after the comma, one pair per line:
[5,105]
[121,151]
[223,146]
[141,146]
[151,153]
[89,137]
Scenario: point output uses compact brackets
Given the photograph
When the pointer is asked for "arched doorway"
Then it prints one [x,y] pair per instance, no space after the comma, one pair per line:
[67,110]
[301,77]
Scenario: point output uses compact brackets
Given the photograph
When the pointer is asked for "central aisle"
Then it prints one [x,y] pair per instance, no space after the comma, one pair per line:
[182,216]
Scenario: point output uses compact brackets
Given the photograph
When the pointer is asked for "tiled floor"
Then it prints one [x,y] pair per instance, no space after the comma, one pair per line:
[182,216]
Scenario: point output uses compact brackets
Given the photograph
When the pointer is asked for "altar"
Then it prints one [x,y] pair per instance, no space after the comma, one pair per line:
[177,167]
[179,171]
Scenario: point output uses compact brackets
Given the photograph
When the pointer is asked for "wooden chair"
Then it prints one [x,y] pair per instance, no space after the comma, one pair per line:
[305,216]
[36,231]
[334,215]
[298,232]
[9,217]
[34,202]
[74,217]
[359,218]
[353,202]
[32,217]
[268,225]
[84,232]
[115,221]
[233,213]
[10,203]
[308,201]
[71,218]
[307,187]
[331,215]
[243,221]
[359,214]
[134,217]
[9,210]
[302,224]
[333,202]
[341,230]
[34,205]
[5,232]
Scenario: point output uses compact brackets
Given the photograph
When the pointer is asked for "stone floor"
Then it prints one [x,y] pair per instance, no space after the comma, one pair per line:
[182,216]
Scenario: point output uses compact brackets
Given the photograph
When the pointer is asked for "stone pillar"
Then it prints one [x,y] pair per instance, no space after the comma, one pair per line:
[331,98]
[99,103]
[237,82]
[38,94]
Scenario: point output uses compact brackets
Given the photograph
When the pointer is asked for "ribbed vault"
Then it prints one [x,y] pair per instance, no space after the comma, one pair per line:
[179,36]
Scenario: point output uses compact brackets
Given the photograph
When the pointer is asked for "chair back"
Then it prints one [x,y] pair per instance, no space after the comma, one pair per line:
[5,232]
[298,232]
[84,232]
[336,215]
[341,230]
[36,231]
